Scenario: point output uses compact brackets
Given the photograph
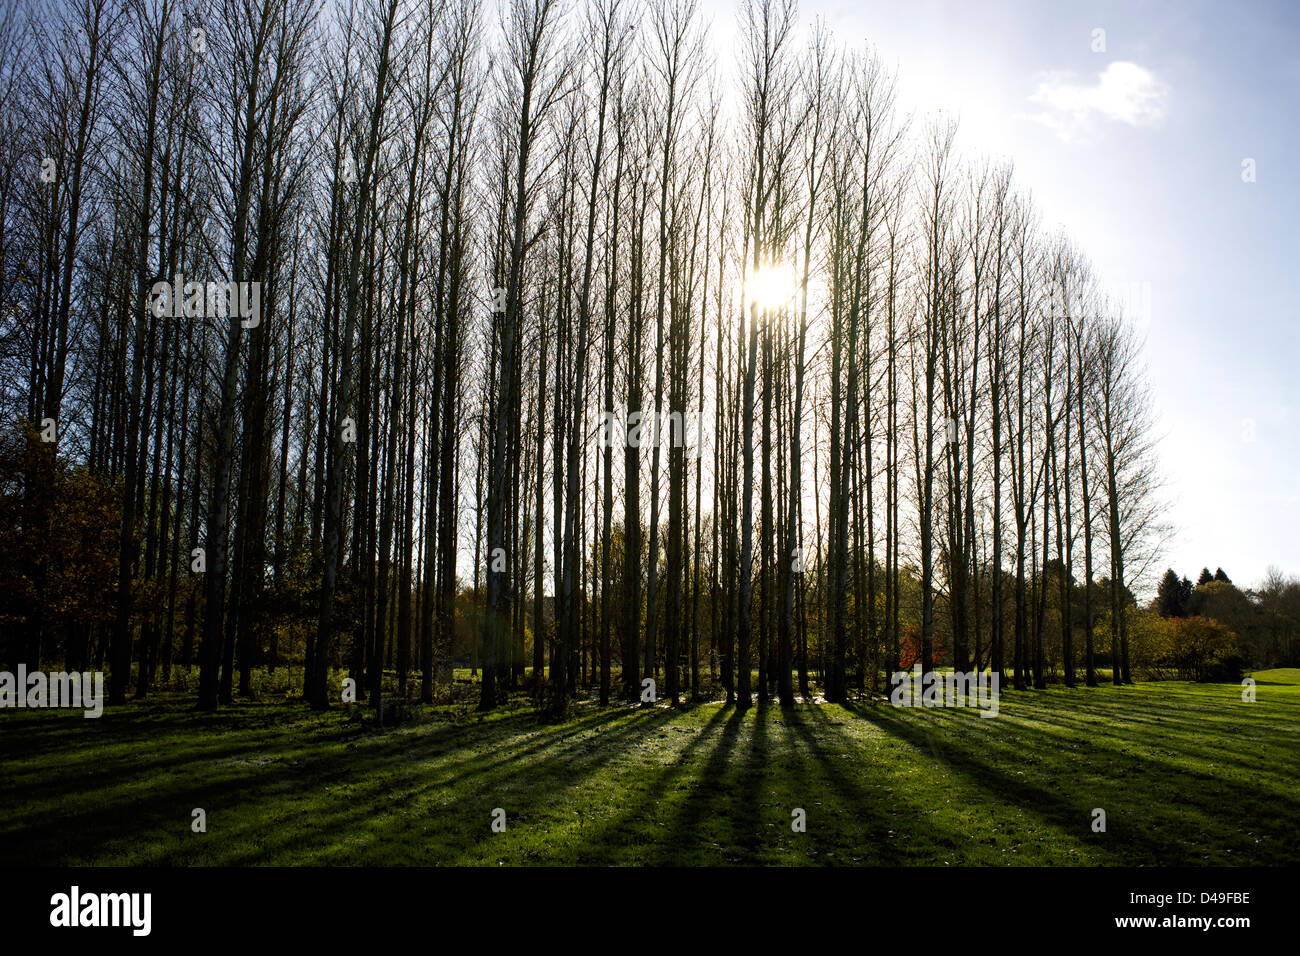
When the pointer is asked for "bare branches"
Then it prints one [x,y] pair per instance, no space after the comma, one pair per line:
[478,243]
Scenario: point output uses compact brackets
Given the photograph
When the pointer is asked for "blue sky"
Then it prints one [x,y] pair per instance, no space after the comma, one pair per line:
[1137,153]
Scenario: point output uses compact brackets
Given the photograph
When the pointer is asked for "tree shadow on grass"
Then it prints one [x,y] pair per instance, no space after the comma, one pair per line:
[447,820]
[869,825]
[1217,742]
[78,768]
[994,764]
[622,838]
[307,804]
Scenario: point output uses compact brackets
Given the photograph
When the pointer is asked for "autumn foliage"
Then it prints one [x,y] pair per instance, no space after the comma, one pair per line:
[59,527]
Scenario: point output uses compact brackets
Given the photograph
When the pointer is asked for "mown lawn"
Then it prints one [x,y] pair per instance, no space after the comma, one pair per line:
[1187,774]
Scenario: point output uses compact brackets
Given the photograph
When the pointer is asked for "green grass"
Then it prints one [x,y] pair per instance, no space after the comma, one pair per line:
[1187,774]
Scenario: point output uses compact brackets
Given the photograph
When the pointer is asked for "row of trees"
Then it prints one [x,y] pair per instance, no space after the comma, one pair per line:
[634,363]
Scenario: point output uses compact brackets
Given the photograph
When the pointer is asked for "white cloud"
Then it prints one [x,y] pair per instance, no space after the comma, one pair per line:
[1124,92]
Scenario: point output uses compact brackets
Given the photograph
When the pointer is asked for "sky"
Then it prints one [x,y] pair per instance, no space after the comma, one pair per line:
[1136,141]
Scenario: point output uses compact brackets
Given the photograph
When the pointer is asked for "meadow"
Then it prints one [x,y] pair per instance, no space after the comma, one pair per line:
[1187,774]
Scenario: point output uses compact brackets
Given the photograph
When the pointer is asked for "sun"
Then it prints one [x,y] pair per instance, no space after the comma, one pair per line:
[770,287]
